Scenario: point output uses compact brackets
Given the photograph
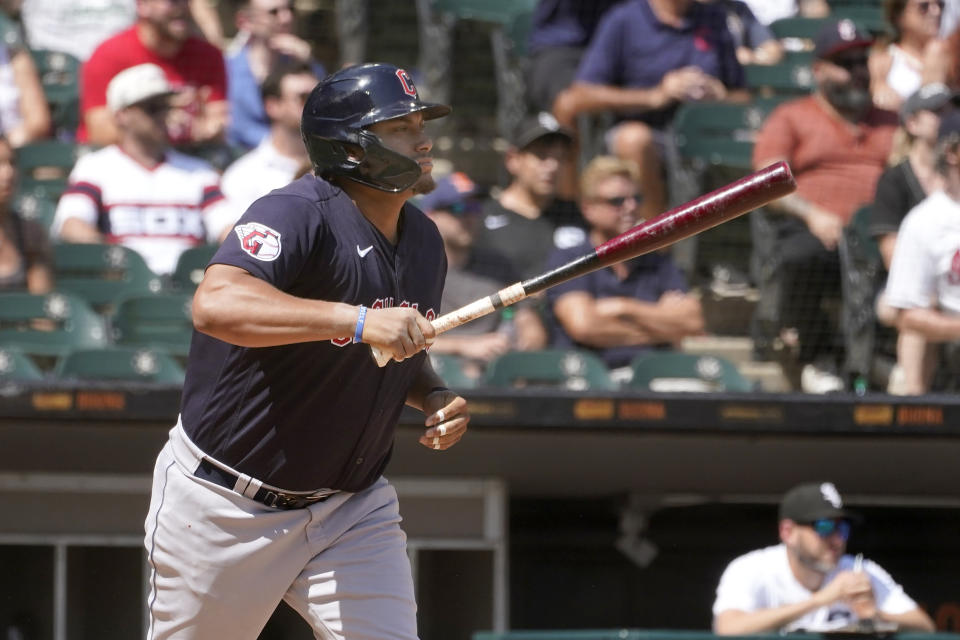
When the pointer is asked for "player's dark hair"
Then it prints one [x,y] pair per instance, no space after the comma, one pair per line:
[271,86]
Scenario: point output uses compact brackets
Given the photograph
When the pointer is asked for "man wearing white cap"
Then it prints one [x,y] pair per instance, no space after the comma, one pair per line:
[139,192]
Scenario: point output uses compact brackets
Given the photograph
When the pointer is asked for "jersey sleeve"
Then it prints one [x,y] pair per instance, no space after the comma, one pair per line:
[600,63]
[82,198]
[912,280]
[889,595]
[274,239]
[737,588]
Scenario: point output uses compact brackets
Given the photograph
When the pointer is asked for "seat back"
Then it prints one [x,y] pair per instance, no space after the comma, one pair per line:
[44,167]
[49,324]
[793,75]
[718,133]
[59,74]
[191,265]
[567,369]
[120,363]
[16,365]
[102,273]
[161,320]
[450,368]
[676,371]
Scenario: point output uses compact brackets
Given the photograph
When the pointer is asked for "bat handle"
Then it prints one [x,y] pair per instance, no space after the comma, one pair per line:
[483,306]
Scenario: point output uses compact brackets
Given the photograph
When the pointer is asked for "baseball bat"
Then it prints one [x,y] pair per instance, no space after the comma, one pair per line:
[705,212]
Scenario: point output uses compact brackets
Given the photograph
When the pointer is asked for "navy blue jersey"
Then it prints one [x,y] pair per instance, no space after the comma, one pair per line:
[316,414]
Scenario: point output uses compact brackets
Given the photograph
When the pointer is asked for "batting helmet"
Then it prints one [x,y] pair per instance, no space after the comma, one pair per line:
[338,112]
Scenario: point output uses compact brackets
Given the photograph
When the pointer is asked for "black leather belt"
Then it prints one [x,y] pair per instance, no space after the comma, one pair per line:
[276,499]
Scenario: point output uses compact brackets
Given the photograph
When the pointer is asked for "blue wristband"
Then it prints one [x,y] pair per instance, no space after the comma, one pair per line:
[359,331]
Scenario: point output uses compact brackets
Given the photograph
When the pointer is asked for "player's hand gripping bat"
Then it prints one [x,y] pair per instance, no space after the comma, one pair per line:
[705,212]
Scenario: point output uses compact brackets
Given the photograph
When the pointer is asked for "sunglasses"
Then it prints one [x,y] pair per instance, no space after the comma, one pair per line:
[924,6]
[826,528]
[619,201]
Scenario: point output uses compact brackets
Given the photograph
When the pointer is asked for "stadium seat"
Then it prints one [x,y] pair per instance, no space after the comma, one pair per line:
[44,167]
[450,368]
[16,365]
[161,320]
[191,265]
[49,325]
[719,133]
[102,273]
[676,371]
[793,75]
[799,27]
[575,370]
[60,79]
[120,363]
[35,207]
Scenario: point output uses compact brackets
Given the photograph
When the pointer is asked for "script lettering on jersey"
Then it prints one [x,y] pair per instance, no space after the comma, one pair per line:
[383,303]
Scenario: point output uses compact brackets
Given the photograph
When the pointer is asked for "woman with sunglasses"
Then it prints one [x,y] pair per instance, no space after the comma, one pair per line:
[808,582]
[898,69]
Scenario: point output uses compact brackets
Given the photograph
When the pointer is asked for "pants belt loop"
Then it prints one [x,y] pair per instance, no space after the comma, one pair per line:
[247,486]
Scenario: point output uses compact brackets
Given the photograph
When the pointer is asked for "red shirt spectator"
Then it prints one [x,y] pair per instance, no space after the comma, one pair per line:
[192,65]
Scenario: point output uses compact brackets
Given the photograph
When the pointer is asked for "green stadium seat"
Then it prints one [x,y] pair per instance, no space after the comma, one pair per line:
[35,207]
[450,368]
[44,167]
[798,27]
[102,273]
[190,267]
[60,78]
[719,133]
[49,325]
[161,320]
[120,363]
[793,75]
[16,365]
[557,368]
[676,371]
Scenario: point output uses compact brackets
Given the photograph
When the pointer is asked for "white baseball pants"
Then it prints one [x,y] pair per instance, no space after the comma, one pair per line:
[221,562]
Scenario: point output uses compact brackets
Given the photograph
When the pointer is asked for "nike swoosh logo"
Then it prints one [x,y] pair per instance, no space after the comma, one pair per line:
[364,252]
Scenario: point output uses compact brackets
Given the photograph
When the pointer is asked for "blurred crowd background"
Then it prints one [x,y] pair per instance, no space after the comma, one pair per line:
[135,132]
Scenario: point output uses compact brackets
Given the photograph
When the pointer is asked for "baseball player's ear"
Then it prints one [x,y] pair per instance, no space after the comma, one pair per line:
[354,152]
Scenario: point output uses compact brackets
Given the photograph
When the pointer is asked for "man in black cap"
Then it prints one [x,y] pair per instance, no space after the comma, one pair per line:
[837,144]
[924,281]
[807,582]
[526,220]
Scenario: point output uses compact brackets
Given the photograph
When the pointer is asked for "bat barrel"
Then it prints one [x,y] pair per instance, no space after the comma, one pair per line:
[707,211]
[716,207]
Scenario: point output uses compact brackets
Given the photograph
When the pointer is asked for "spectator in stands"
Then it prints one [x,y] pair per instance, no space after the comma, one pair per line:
[527,220]
[625,309]
[276,160]
[25,260]
[754,42]
[454,206]
[558,37]
[647,57]
[808,582]
[77,27]
[24,114]
[265,40]
[897,67]
[924,280]
[139,192]
[837,143]
[161,36]
[769,11]
[900,188]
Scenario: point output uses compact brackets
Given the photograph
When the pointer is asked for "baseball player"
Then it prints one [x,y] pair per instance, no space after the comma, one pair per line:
[271,485]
